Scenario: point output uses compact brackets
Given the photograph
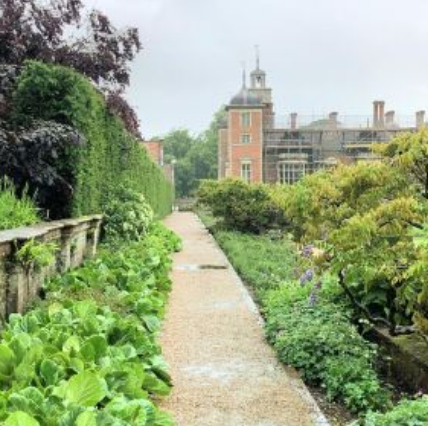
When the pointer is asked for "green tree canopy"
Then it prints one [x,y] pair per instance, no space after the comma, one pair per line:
[195,155]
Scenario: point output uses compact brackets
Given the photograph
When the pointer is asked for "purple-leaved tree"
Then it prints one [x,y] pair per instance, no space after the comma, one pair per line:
[63,32]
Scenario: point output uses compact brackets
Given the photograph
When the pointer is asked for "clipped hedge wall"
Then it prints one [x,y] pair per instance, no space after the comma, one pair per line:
[110,156]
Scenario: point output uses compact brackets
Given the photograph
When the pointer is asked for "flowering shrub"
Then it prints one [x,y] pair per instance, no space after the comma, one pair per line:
[305,321]
[128,216]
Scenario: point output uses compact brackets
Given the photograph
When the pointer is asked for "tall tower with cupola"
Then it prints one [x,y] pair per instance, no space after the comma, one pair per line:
[241,143]
[259,89]
[258,83]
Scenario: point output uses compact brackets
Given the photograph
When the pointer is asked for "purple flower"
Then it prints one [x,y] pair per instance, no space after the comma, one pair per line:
[313,299]
[307,250]
[306,277]
[309,274]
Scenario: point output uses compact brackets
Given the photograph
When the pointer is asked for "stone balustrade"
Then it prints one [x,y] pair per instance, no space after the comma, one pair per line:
[76,240]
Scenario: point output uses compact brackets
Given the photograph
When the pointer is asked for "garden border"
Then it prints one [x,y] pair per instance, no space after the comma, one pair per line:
[319,418]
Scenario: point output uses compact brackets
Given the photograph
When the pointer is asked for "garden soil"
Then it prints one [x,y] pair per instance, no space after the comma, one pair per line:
[224,372]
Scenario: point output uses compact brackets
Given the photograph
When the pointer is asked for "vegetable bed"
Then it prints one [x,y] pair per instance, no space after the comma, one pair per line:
[87,355]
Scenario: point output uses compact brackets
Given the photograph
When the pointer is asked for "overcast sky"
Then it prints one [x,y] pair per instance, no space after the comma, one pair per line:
[319,55]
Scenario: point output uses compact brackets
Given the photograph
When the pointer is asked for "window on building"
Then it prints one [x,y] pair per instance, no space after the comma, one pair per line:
[245,138]
[246,119]
[246,171]
[291,172]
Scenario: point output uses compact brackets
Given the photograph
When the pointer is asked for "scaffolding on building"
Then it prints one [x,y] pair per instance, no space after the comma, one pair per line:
[288,154]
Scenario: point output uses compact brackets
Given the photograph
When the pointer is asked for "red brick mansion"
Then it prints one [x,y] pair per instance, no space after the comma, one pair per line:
[256,147]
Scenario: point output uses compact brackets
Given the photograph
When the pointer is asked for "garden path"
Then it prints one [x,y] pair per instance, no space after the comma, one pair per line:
[224,372]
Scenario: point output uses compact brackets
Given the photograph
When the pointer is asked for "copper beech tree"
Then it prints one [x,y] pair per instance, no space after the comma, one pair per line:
[63,32]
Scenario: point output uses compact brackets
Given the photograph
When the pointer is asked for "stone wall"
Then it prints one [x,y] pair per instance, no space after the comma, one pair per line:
[404,360]
[76,241]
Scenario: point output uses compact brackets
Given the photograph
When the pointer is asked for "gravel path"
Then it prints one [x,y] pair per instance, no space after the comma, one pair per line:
[224,372]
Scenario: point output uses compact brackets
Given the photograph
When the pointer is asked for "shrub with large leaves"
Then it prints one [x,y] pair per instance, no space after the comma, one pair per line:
[128,215]
[88,355]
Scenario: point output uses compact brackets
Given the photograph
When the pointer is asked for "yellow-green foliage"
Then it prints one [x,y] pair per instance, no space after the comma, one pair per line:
[323,201]
[409,152]
[110,155]
[15,212]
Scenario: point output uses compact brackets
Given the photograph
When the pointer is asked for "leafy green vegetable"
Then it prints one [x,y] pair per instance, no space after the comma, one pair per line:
[86,389]
[21,419]
[88,418]
[88,355]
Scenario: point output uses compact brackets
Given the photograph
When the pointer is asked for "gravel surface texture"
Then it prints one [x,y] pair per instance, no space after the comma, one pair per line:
[224,372]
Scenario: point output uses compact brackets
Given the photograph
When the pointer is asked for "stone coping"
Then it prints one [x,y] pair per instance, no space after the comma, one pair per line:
[41,229]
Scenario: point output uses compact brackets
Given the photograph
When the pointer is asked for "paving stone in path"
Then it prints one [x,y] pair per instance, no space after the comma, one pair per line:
[224,372]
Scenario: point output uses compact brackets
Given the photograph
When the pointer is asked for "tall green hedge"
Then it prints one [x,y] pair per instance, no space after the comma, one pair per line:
[110,156]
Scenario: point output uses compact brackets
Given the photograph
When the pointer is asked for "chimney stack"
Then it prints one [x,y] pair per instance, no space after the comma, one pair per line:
[332,118]
[381,113]
[375,113]
[293,121]
[378,113]
[420,119]
[390,118]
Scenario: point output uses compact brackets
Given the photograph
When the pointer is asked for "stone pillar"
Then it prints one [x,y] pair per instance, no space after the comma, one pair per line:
[93,236]
[293,121]
[5,251]
[76,239]
[17,289]
[420,119]
[65,249]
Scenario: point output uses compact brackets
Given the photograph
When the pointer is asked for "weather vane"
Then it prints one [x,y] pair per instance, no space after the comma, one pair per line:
[257,49]
[244,74]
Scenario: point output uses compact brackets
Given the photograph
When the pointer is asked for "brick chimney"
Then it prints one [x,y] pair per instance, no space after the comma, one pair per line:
[293,121]
[375,113]
[332,118]
[420,119]
[390,118]
[381,113]
[378,113]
